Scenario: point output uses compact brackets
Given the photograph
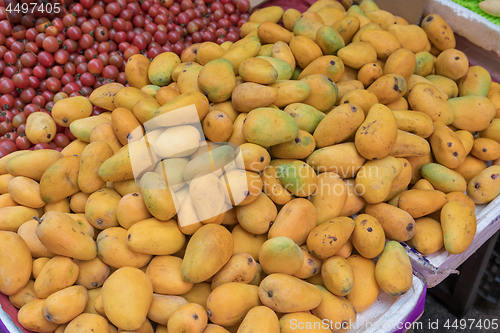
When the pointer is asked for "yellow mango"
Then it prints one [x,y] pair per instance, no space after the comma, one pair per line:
[64,305]
[188,318]
[126,297]
[40,128]
[366,289]
[52,189]
[112,249]
[137,71]
[397,223]
[240,268]
[458,222]
[163,306]
[161,68]
[339,312]
[57,274]
[31,317]
[260,319]
[93,155]
[368,236]
[393,270]
[81,128]
[104,96]
[62,235]
[199,262]
[101,206]
[427,98]
[280,255]
[328,238]
[341,158]
[305,50]
[337,275]
[164,272]
[428,238]
[295,220]
[92,274]
[439,32]
[69,109]
[280,292]
[88,322]
[228,304]
[15,263]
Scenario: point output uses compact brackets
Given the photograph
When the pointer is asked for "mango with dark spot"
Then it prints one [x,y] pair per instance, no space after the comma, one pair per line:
[388,88]
[280,292]
[393,270]
[476,81]
[323,92]
[368,236]
[447,146]
[485,186]
[328,238]
[452,63]
[438,32]
[60,180]
[486,149]
[397,224]
[428,238]
[357,54]
[427,98]
[412,37]
[299,148]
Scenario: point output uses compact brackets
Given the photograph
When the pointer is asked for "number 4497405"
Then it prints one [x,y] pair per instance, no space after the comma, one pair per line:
[470,323]
[31,7]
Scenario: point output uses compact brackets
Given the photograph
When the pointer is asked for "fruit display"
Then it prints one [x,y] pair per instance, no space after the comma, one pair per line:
[263,185]
[45,57]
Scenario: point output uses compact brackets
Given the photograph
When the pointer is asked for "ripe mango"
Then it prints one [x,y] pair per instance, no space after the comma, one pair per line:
[339,312]
[485,186]
[112,249]
[57,274]
[280,292]
[260,319]
[328,238]
[295,220]
[60,180]
[280,255]
[393,270]
[229,303]
[126,297]
[15,263]
[63,306]
[208,250]
[366,288]
[397,223]
[62,235]
[368,236]
[269,127]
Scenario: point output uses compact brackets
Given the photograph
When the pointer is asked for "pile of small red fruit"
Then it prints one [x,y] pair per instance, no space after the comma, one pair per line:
[43,60]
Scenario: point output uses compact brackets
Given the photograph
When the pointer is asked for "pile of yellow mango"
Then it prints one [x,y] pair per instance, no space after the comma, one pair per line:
[316,142]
